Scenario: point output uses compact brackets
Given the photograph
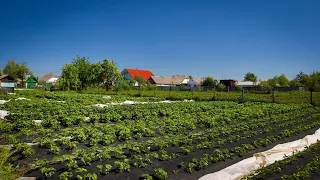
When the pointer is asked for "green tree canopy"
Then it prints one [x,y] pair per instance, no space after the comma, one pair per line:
[95,73]
[283,80]
[249,76]
[69,76]
[16,70]
[84,74]
[12,69]
[273,82]
[294,83]
[300,77]
[123,85]
[110,73]
[80,73]
[312,81]
[141,81]
[209,82]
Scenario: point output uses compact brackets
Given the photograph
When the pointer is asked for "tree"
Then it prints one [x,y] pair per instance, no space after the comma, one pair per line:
[221,86]
[140,80]
[69,76]
[209,82]
[123,85]
[12,69]
[273,82]
[16,70]
[83,66]
[190,77]
[95,73]
[265,86]
[249,76]
[294,83]
[283,80]
[22,71]
[1,72]
[300,76]
[110,73]
[312,81]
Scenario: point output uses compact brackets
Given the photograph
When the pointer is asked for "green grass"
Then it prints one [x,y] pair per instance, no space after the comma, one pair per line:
[280,97]
[7,170]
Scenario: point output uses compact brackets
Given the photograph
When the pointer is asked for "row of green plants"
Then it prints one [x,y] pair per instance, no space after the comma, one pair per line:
[164,156]
[303,172]
[291,96]
[222,155]
[144,135]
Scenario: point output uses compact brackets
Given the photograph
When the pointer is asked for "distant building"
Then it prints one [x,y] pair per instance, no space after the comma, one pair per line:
[31,82]
[6,81]
[247,83]
[48,80]
[169,81]
[192,85]
[228,82]
[198,80]
[131,74]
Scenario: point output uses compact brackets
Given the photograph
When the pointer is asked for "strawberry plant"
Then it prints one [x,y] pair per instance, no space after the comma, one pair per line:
[48,172]
[160,174]
[65,175]
[123,166]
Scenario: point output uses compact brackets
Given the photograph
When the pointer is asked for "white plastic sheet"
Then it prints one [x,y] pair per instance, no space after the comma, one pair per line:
[22,98]
[262,159]
[3,101]
[136,102]
[3,113]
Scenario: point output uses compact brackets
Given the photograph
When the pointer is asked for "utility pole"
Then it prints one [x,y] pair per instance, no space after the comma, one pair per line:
[222,74]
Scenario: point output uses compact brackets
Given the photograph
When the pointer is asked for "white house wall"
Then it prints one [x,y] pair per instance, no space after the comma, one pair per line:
[52,80]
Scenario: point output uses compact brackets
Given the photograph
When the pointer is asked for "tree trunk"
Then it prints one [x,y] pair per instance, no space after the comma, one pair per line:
[107,86]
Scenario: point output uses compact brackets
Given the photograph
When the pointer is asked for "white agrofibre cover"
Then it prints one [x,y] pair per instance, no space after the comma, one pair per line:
[3,114]
[136,102]
[262,159]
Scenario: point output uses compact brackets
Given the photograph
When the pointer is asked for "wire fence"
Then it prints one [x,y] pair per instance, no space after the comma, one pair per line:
[277,95]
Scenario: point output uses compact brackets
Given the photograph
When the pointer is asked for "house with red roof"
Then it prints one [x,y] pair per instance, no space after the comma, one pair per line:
[131,74]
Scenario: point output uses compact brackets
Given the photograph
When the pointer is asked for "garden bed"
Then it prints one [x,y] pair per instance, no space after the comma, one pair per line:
[179,140]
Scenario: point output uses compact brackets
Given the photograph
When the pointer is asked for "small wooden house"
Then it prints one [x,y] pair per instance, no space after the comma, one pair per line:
[131,74]
[228,82]
[31,82]
[6,81]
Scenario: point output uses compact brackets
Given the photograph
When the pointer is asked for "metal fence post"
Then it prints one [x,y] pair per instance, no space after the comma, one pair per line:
[310,96]
[273,95]
[242,94]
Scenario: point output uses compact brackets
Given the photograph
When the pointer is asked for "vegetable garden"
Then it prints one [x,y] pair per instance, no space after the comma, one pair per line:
[177,140]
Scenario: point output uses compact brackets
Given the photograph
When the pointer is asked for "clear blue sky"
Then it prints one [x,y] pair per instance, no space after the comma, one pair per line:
[168,37]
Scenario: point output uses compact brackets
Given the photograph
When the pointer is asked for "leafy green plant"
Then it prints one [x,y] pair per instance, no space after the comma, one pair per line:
[26,150]
[48,172]
[161,174]
[65,175]
[107,168]
[90,176]
[54,149]
[146,177]
[123,166]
